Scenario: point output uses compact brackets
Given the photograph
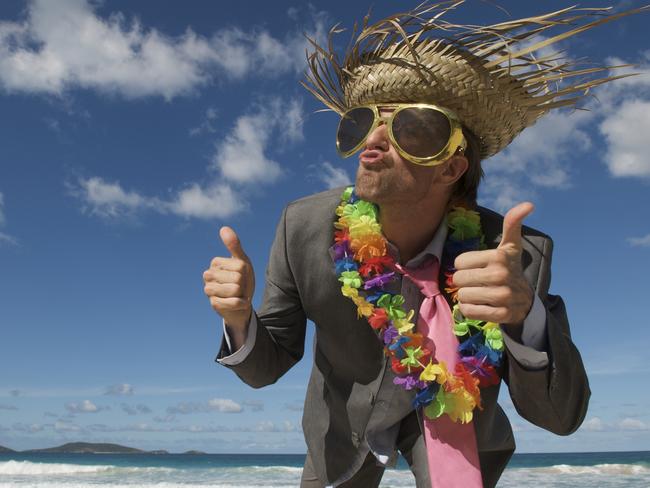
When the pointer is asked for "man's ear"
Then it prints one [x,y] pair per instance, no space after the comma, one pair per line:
[453,169]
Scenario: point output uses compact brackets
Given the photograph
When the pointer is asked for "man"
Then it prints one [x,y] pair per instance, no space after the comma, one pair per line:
[423,112]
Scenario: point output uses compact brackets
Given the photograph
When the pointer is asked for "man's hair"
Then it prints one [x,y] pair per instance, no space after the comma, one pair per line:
[465,190]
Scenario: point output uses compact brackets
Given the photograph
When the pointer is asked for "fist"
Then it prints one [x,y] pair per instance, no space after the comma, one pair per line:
[491,283]
[230,283]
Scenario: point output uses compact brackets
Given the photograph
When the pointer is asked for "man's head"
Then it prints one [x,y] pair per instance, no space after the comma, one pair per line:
[401,162]
[491,77]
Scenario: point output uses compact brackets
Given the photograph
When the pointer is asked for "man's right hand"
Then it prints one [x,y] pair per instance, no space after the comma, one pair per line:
[230,284]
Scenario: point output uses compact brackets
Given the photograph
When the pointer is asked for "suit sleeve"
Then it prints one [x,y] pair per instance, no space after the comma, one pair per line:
[548,388]
[281,322]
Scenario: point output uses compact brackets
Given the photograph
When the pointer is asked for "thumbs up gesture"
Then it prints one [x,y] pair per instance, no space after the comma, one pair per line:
[491,283]
[230,284]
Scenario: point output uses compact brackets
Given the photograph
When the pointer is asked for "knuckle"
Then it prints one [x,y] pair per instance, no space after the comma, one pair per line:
[501,315]
[214,263]
[500,274]
[505,294]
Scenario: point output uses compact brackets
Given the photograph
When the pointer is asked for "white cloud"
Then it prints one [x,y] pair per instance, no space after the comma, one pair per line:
[538,158]
[28,428]
[84,407]
[626,132]
[242,156]
[61,426]
[215,201]
[66,44]
[639,241]
[6,238]
[594,424]
[224,405]
[109,199]
[254,405]
[121,389]
[240,159]
[632,424]
[135,409]
[332,176]
[542,155]
[207,125]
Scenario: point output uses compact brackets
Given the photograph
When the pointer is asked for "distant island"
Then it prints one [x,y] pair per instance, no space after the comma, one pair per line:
[88,448]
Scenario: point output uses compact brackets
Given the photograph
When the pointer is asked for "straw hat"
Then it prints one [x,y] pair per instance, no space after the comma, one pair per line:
[488,75]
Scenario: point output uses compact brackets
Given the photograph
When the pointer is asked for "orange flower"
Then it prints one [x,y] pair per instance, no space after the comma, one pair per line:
[368,247]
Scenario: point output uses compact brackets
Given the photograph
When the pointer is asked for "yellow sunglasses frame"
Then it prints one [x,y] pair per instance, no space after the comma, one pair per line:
[455,143]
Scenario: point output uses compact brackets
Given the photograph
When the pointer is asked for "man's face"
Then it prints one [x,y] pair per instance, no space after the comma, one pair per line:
[384,177]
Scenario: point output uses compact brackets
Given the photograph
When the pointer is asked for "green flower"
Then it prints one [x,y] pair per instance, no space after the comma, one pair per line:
[393,305]
[351,279]
[465,224]
[437,407]
[494,338]
[412,356]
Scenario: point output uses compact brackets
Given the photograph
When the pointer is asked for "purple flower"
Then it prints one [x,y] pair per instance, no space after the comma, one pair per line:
[409,381]
[380,281]
[342,250]
[389,334]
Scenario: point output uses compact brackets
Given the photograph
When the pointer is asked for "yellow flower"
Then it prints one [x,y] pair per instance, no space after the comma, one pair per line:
[364,307]
[349,292]
[460,405]
[404,325]
[435,372]
[364,225]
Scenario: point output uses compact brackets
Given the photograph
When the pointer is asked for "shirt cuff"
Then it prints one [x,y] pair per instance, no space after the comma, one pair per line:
[533,333]
[242,353]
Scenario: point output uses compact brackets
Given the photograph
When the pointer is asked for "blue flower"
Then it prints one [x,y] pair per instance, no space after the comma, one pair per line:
[424,397]
[345,264]
[396,346]
[470,346]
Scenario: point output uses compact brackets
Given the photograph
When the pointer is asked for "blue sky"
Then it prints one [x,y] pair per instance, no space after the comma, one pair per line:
[131,131]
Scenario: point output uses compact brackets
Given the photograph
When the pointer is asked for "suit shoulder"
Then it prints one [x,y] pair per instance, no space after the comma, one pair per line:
[329,197]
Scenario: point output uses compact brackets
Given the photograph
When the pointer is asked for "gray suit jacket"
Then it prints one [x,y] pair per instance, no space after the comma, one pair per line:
[550,389]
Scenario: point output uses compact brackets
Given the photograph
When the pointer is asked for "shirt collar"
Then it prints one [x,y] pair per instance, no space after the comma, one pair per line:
[434,248]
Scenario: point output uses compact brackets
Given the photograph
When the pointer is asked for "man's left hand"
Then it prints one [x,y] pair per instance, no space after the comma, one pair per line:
[491,283]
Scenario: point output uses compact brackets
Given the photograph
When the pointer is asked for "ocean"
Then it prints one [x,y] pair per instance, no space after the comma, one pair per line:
[22,470]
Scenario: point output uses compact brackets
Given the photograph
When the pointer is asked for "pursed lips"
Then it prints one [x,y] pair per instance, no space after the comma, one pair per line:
[370,158]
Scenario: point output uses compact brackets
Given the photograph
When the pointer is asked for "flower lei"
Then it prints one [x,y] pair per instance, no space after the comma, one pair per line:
[364,268]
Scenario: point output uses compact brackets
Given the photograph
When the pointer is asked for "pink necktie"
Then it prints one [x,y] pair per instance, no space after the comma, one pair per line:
[451,447]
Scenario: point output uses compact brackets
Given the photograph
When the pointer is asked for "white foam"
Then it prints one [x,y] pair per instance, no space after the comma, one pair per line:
[598,469]
[28,468]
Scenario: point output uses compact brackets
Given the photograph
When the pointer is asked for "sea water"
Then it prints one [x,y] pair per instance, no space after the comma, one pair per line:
[603,470]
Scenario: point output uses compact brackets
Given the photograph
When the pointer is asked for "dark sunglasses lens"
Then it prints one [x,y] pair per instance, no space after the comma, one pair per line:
[354,127]
[421,132]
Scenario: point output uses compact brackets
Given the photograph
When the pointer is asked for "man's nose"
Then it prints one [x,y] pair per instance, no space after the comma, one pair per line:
[378,138]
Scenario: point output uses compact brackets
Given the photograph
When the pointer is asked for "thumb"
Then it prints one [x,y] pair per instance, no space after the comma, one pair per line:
[232,243]
[512,222]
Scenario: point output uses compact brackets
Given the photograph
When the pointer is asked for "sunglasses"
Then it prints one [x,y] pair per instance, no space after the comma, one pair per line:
[423,134]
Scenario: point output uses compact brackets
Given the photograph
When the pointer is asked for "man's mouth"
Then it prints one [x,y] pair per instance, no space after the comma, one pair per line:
[370,158]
